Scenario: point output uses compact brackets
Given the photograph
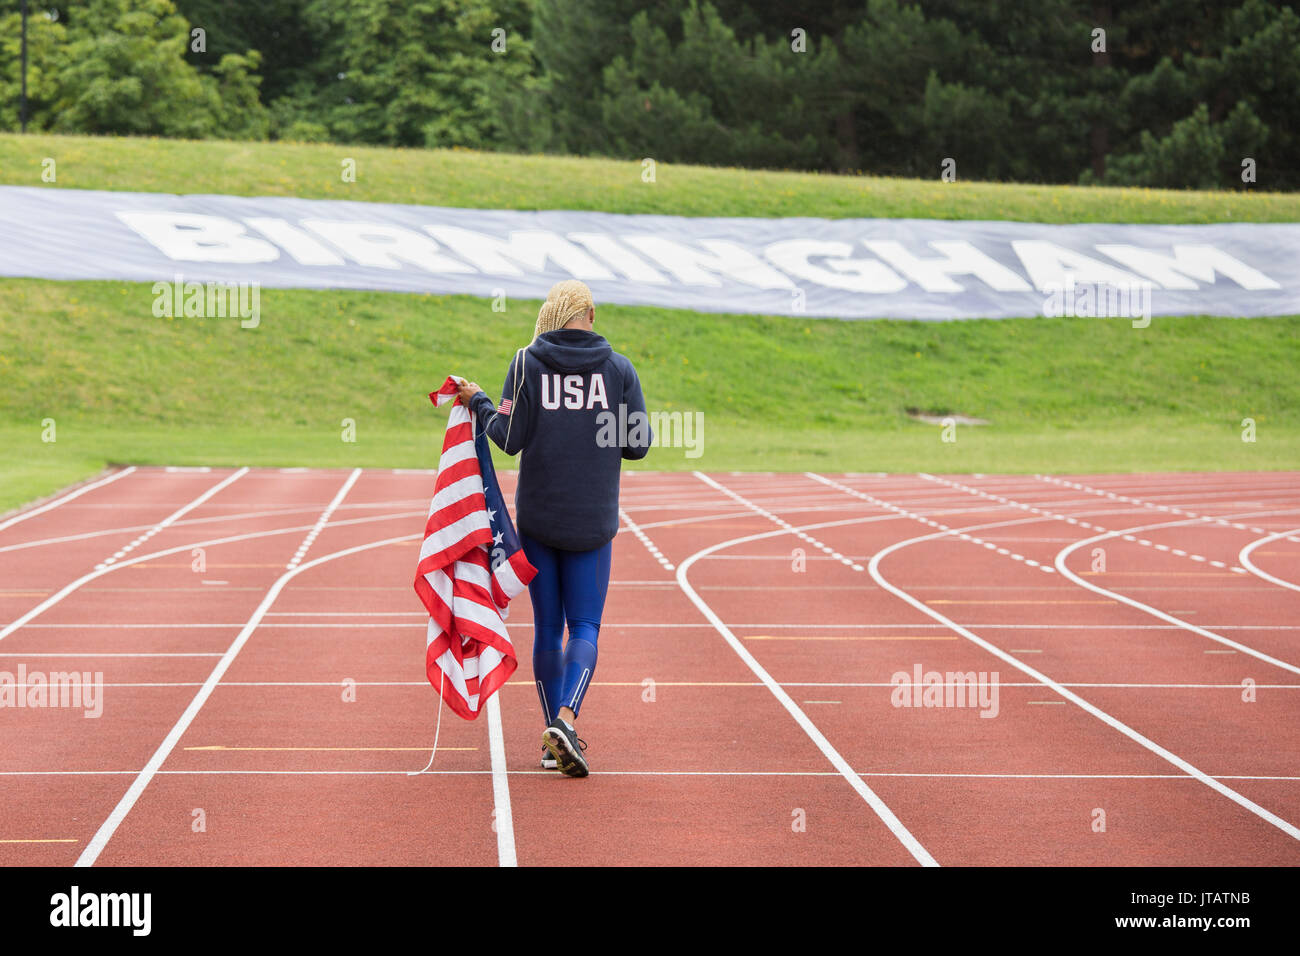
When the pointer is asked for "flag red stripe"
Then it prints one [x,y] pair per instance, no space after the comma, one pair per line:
[462,596]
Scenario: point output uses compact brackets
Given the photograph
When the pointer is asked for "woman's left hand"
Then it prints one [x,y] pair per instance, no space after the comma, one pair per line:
[466,391]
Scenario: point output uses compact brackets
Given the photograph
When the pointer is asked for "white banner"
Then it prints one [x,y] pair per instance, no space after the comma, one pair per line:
[844,268]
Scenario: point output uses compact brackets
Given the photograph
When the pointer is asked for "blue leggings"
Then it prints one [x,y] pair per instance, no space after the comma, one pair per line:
[572,585]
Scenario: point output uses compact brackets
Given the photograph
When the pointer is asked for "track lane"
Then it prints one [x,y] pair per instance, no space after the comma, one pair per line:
[720,807]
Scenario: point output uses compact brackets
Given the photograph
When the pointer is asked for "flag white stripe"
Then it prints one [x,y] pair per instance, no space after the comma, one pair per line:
[473,573]
[508,580]
[484,616]
[455,492]
[456,454]
[475,611]
[453,534]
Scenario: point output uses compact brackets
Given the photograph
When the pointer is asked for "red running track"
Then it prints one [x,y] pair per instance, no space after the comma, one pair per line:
[1136,639]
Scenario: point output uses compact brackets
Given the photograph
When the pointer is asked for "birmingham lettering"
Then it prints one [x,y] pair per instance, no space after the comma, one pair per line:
[653,260]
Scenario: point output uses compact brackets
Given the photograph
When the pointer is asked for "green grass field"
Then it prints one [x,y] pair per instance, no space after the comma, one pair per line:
[505,181]
[777,393]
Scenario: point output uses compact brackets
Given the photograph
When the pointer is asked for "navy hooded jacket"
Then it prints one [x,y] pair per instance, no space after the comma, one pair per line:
[575,412]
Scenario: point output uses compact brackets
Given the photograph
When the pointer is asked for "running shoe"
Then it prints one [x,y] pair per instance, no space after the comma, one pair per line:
[563,743]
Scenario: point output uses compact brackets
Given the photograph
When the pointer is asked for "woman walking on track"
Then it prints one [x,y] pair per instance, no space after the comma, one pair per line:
[573,407]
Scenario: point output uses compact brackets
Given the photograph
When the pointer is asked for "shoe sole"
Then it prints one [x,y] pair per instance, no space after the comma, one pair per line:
[567,762]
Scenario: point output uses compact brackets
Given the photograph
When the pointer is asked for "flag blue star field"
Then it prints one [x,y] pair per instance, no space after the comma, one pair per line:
[471,566]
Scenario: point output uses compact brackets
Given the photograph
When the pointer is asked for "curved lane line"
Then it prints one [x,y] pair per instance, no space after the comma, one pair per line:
[874,568]
[1147,608]
[104,568]
[1244,559]
[919,853]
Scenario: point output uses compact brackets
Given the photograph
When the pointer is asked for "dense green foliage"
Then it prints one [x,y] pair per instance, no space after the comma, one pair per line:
[1178,93]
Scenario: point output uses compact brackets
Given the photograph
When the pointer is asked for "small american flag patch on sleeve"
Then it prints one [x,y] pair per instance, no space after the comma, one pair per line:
[504,407]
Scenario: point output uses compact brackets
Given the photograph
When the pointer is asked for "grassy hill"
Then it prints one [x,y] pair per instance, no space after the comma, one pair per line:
[456,177]
[776,392]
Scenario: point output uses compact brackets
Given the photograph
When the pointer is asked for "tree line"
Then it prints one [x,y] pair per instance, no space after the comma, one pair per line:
[1163,93]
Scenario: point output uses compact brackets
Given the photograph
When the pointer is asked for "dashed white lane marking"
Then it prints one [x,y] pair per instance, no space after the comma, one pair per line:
[171,519]
[75,493]
[801,535]
[1286,827]
[1127,499]
[1056,516]
[645,540]
[960,535]
[322,521]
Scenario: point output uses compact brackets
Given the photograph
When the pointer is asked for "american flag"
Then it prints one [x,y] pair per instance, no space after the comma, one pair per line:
[471,565]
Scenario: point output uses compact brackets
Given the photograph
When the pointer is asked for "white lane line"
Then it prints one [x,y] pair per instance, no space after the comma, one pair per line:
[503,820]
[171,518]
[109,826]
[1153,490]
[1069,519]
[213,542]
[645,773]
[1266,815]
[947,530]
[190,522]
[1244,558]
[797,532]
[77,493]
[102,569]
[801,510]
[886,815]
[322,520]
[645,540]
[1114,496]
[1147,608]
[709,684]
[211,626]
[397,625]
[671,522]
[113,654]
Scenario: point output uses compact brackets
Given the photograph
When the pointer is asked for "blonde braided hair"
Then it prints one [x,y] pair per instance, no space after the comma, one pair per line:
[567,300]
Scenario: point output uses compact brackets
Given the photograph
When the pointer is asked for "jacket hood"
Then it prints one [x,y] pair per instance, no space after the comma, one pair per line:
[571,350]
